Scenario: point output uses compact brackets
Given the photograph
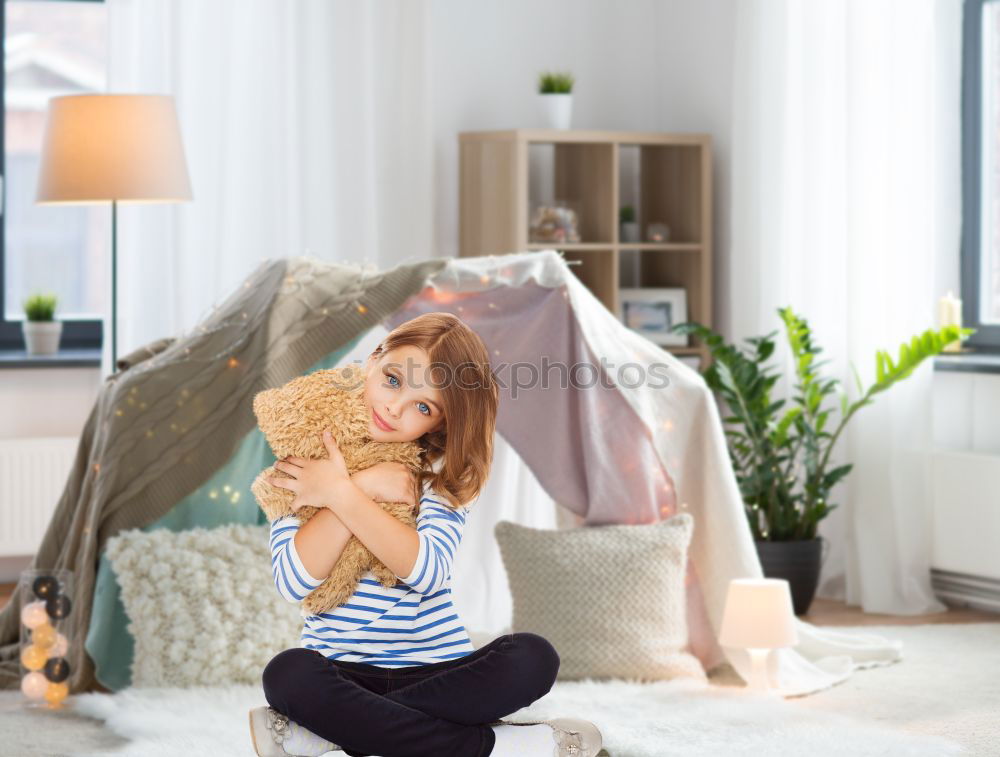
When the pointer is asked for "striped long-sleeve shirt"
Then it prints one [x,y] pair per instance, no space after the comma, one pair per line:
[412,623]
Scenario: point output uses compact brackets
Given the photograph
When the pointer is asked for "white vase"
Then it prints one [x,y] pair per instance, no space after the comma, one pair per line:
[557,109]
[42,337]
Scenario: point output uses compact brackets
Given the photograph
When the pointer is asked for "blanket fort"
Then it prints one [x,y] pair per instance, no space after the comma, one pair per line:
[615,445]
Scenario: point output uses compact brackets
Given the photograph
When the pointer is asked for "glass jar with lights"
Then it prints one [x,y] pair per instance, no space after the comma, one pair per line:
[47,619]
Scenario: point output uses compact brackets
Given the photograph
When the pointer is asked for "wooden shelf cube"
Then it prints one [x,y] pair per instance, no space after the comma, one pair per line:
[505,176]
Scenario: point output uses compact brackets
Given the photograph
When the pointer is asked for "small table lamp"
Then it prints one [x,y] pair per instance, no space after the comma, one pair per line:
[112,148]
[758,617]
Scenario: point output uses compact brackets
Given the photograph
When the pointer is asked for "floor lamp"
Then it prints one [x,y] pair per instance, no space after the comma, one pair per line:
[112,148]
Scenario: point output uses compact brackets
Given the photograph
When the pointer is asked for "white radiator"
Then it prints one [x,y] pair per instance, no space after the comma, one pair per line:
[965,564]
[33,474]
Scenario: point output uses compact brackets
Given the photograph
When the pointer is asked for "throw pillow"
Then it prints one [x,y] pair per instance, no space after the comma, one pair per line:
[201,603]
[610,599]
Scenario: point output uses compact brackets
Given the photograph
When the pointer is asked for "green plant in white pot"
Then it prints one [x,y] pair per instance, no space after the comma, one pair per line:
[629,231]
[41,330]
[781,459]
[555,94]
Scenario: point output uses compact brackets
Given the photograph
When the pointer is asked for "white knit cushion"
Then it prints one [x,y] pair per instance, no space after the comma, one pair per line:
[202,605]
[610,599]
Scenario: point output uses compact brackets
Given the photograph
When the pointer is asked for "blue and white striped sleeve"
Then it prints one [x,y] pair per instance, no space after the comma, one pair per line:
[439,528]
[290,576]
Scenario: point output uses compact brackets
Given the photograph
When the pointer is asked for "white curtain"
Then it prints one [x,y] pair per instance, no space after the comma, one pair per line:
[845,192]
[307,131]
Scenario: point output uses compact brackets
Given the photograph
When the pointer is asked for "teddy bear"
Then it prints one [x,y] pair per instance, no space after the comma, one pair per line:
[292,418]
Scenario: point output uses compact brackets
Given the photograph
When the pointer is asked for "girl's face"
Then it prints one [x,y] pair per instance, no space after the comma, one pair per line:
[402,402]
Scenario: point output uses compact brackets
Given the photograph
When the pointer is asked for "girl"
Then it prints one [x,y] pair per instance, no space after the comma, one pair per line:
[392,671]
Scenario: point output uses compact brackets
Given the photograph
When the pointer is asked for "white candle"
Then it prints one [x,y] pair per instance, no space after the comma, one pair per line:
[950,314]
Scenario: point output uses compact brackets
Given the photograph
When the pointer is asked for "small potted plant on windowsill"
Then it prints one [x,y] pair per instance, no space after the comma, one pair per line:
[556,98]
[781,459]
[40,328]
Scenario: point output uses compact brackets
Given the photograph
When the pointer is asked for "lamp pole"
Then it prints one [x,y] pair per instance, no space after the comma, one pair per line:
[114,284]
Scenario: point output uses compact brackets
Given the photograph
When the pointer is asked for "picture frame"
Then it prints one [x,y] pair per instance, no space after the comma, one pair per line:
[653,311]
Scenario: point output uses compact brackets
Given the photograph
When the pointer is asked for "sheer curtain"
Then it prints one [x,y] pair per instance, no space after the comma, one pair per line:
[307,131]
[845,192]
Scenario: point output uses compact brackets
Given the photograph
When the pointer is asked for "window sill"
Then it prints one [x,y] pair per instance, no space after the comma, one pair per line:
[970,360]
[85,357]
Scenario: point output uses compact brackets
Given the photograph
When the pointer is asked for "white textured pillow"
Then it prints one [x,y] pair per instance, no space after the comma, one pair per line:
[202,605]
[610,599]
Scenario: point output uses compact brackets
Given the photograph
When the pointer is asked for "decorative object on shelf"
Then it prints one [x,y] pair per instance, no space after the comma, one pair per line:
[40,328]
[781,460]
[556,98]
[657,232]
[758,618]
[629,226]
[555,223]
[653,312]
[46,634]
[112,148]
[950,314]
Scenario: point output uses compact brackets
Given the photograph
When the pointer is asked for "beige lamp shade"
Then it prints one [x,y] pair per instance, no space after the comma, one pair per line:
[112,147]
[758,614]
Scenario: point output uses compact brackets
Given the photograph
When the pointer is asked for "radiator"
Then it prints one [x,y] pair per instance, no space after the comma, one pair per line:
[965,564]
[962,590]
[33,473]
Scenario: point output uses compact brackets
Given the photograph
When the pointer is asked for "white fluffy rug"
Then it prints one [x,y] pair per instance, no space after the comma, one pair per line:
[941,699]
[641,721]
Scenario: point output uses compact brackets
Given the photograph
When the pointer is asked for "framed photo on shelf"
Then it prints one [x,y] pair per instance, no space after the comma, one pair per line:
[653,311]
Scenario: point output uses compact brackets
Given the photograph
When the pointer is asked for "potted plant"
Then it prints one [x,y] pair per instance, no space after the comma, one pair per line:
[781,457]
[556,98]
[629,226]
[41,330]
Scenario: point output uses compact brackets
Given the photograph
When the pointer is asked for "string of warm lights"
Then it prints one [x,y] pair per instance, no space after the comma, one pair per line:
[297,288]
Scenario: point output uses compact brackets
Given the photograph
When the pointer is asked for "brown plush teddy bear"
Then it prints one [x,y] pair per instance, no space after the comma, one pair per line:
[293,418]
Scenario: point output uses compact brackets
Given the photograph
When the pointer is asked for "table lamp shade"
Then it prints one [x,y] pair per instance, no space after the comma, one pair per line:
[758,614]
[112,147]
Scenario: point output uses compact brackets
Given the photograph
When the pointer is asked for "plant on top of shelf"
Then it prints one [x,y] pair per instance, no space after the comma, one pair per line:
[626,214]
[555,82]
[555,98]
[40,328]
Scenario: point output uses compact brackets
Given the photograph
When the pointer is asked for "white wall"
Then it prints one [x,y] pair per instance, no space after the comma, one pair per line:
[46,401]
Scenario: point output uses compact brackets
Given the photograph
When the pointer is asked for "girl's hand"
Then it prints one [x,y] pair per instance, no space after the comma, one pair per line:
[315,482]
[387,482]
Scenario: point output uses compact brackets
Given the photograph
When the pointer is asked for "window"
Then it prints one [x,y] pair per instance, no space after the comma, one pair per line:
[52,47]
[981,172]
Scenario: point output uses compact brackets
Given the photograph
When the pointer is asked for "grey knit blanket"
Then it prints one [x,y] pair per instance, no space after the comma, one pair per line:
[176,409]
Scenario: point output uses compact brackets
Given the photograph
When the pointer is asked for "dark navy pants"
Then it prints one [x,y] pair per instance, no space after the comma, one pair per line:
[441,708]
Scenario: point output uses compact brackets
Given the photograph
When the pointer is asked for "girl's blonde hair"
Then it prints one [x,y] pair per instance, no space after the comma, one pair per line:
[460,370]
